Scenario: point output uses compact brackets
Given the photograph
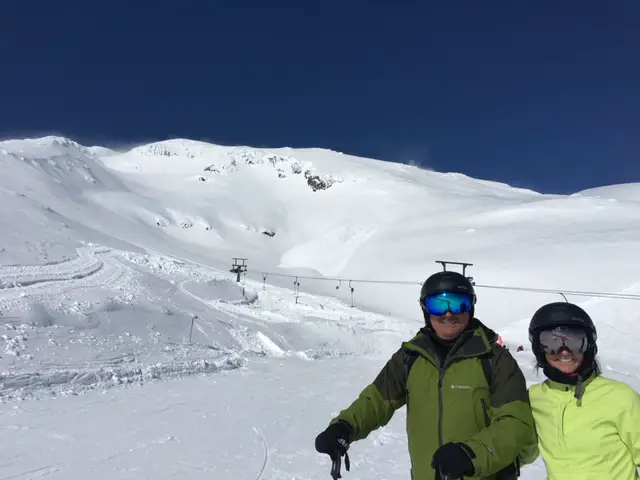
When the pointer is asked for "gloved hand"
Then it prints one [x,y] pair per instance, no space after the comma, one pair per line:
[454,460]
[334,440]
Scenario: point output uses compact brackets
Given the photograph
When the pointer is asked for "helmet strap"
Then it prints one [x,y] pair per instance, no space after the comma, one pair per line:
[557,376]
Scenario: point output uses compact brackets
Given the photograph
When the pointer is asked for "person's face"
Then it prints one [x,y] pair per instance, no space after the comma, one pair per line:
[566,361]
[564,348]
[449,326]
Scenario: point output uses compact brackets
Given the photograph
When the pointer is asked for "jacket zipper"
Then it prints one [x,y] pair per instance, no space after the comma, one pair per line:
[440,380]
[484,412]
[441,367]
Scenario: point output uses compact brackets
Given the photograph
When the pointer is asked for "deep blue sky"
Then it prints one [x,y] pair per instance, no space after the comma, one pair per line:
[543,94]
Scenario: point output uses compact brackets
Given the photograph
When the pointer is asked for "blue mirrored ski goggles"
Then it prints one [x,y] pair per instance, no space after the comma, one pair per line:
[441,303]
[573,339]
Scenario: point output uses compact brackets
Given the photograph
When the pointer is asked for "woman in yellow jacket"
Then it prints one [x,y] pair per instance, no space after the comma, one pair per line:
[588,425]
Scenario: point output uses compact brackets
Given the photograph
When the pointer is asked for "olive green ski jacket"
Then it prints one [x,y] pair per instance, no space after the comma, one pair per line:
[452,402]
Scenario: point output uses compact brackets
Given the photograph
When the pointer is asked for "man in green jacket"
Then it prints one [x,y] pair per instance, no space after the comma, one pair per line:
[468,412]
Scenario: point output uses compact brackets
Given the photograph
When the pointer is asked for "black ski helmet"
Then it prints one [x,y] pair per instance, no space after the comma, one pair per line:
[449,282]
[558,314]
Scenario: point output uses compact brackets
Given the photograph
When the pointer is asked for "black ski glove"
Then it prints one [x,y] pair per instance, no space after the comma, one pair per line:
[334,441]
[454,460]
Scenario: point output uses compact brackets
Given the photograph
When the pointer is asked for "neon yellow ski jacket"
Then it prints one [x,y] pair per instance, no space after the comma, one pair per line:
[595,437]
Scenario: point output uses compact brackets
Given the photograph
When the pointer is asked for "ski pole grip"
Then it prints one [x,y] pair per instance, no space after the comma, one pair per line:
[443,476]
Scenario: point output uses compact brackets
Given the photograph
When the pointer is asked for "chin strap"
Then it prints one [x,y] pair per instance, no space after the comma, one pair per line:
[579,390]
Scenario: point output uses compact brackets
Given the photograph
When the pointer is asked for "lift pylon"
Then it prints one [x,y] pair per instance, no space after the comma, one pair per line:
[464,265]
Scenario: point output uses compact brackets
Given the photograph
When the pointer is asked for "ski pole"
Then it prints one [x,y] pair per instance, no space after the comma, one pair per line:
[335,467]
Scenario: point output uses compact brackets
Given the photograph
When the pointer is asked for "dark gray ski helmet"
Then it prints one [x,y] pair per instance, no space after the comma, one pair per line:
[558,314]
[446,282]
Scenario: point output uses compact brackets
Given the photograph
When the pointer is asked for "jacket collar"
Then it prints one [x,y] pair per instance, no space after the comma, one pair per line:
[471,343]
[563,387]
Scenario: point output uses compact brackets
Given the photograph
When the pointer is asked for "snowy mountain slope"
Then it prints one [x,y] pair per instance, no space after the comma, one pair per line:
[347,229]
[49,183]
[373,219]
[114,272]
[622,192]
[110,317]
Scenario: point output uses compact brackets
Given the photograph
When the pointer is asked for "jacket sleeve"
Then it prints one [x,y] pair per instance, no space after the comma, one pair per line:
[378,401]
[511,433]
[629,425]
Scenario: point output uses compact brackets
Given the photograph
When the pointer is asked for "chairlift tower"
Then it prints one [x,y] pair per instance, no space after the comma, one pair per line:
[238,268]
[464,265]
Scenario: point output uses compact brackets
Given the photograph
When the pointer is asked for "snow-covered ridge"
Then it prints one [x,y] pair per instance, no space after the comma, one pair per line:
[318,168]
[60,159]
[50,146]
[46,142]
[226,160]
[621,192]
[177,147]
[283,164]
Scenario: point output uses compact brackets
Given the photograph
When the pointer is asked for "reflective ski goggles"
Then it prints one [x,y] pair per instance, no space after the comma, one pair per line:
[571,338]
[456,303]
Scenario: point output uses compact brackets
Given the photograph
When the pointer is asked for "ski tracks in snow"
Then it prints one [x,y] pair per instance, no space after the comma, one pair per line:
[94,267]
[82,291]
[46,470]
[265,445]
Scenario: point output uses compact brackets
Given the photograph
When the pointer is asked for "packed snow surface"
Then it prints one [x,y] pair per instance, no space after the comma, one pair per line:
[128,349]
